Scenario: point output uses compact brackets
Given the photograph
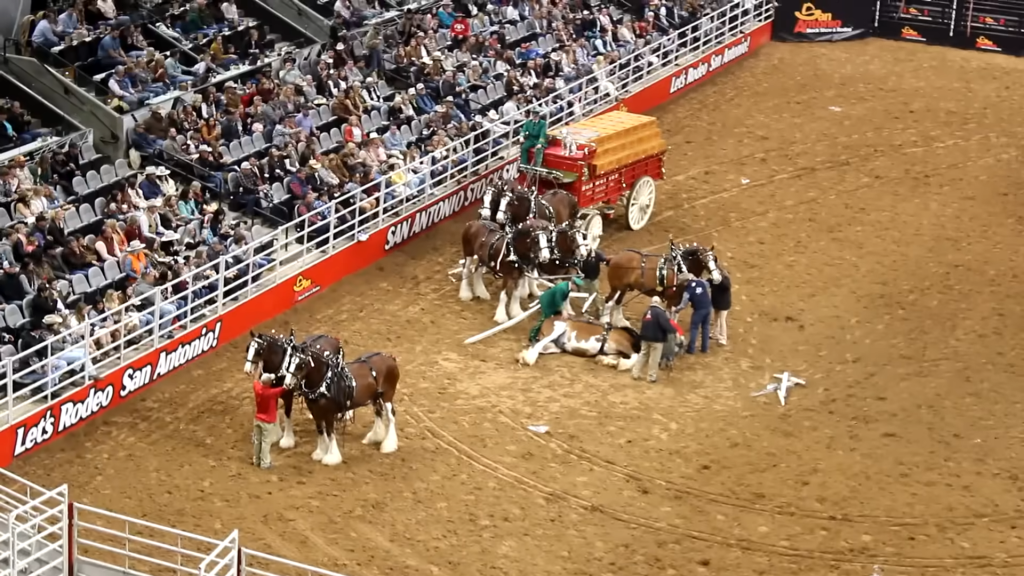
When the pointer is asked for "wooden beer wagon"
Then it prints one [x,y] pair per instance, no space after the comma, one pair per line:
[609,160]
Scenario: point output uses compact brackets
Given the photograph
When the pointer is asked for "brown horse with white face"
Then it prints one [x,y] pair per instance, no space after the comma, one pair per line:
[663,275]
[508,256]
[518,204]
[266,353]
[316,370]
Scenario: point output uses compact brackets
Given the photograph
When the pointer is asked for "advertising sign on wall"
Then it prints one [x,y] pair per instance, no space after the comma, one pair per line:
[823,20]
[58,418]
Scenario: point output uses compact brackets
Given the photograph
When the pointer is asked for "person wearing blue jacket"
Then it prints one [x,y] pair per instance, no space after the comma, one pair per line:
[698,294]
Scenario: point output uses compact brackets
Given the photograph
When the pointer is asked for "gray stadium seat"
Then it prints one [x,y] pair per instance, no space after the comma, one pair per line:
[111,269]
[247,146]
[92,179]
[86,213]
[325,141]
[236,150]
[79,284]
[101,206]
[107,174]
[96,277]
[336,136]
[72,220]
[79,184]
[12,314]
[88,152]
[122,168]
[278,192]
[258,141]
[5,218]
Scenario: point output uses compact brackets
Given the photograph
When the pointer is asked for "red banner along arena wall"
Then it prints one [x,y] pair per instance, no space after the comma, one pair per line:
[61,417]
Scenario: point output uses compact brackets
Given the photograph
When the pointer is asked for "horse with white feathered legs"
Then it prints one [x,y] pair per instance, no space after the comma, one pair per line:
[508,255]
[586,338]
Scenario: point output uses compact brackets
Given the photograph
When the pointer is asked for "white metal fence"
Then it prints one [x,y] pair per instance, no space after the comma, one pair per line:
[34,537]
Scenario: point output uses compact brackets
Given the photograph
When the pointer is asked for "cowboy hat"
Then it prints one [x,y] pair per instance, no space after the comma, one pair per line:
[314,164]
[205,148]
[135,246]
[493,115]
[150,170]
[154,204]
[170,237]
[161,171]
[52,319]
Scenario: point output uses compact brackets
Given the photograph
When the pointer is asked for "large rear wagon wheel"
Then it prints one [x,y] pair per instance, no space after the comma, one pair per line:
[640,203]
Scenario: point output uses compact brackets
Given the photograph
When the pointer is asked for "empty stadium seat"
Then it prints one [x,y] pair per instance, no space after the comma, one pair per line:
[12,315]
[258,141]
[72,220]
[80,185]
[96,278]
[122,168]
[80,285]
[93,180]
[107,174]
[87,215]
[111,269]
[101,206]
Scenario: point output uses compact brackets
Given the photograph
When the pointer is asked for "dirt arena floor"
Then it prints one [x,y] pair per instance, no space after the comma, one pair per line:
[877,251]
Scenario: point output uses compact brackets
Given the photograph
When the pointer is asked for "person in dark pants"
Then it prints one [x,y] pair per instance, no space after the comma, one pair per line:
[698,294]
[590,268]
[654,331]
[721,302]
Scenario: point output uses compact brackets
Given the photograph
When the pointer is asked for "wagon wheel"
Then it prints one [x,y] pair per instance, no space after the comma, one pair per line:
[593,226]
[640,203]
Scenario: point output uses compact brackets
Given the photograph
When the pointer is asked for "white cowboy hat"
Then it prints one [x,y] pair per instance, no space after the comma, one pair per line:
[150,170]
[493,115]
[205,148]
[170,237]
[373,135]
[135,246]
[314,164]
[161,171]
[52,319]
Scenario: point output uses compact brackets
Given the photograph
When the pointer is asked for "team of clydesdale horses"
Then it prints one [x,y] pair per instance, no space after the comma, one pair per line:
[331,388]
[521,234]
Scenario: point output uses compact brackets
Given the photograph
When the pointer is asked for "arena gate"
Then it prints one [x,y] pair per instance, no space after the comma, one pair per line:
[47,534]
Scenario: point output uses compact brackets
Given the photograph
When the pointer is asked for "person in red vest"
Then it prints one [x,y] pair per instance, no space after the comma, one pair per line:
[460,27]
[264,430]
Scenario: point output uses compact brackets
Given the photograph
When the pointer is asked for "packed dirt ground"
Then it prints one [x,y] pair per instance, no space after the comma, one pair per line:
[876,251]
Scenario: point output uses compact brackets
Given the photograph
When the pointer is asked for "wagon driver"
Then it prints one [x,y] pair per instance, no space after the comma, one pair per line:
[552,303]
[535,137]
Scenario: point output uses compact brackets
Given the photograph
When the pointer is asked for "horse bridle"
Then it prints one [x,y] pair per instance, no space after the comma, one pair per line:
[260,340]
[334,363]
[573,261]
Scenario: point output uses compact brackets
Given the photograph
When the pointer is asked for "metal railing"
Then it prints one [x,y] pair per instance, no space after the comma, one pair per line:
[34,536]
[58,366]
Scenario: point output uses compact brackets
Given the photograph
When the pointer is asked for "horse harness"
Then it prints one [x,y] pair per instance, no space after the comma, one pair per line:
[667,263]
[339,384]
[500,235]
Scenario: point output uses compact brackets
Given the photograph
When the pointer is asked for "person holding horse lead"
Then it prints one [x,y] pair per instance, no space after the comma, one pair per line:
[654,332]
[590,268]
[264,428]
[552,303]
[721,301]
[698,294]
[535,137]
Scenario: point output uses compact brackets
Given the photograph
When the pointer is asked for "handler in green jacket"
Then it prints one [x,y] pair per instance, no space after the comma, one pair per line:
[552,303]
[535,137]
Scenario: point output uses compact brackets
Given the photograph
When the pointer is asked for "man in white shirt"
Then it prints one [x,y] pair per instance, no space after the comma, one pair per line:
[510,109]
[120,87]
[230,12]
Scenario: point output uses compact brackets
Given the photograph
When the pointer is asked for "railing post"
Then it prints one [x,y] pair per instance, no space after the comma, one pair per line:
[156,318]
[330,231]
[10,390]
[86,341]
[223,278]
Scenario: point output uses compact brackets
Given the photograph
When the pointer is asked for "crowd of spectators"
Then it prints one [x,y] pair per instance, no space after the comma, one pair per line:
[372,118]
[83,237]
[111,46]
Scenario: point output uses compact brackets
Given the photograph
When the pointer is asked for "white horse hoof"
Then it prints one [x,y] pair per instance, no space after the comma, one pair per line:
[318,456]
[287,443]
[331,460]
[388,447]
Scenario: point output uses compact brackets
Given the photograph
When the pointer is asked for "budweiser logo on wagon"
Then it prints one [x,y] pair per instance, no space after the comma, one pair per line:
[428,216]
[810,20]
[99,396]
[709,64]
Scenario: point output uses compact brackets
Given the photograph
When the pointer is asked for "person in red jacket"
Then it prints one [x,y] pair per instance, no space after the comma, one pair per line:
[264,430]
[460,27]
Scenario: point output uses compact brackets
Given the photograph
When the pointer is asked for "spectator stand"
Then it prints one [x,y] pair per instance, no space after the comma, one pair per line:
[256,257]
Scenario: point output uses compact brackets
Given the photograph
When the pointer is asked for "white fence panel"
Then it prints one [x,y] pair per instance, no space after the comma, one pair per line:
[223,561]
[108,544]
[33,535]
[258,564]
